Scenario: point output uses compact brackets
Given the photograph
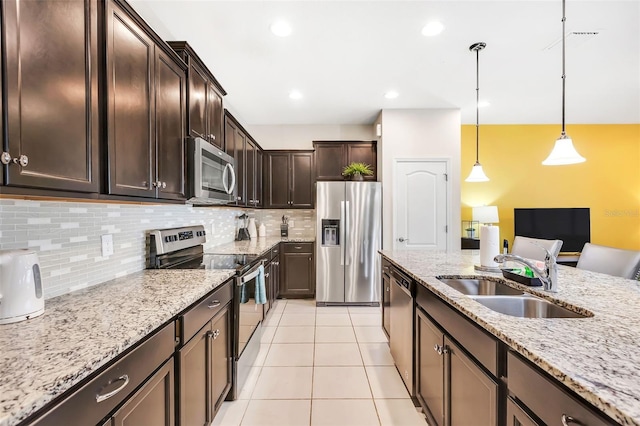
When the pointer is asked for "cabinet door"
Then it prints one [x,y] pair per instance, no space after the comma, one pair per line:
[197,102]
[241,166]
[170,127]
[517,417]
[130,69]
[473,394]
[214,117]
[258,173]
[52,93]
[430,364]
[220,359]
[330,160]
[302,172]
[277,184]
[195,369]
[250,174]
[386,304]
[276,278]
[363,153]
[268,284]
[153,404]
[297,279]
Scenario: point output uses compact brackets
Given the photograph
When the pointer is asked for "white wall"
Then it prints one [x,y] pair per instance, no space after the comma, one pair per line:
[301,136]
[419,134]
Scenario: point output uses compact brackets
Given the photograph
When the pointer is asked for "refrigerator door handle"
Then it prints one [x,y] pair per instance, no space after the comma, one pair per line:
[342,233]
[347,231]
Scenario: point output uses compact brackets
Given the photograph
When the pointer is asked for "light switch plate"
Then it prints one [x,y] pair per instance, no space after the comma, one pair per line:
[292,224]
[107,244]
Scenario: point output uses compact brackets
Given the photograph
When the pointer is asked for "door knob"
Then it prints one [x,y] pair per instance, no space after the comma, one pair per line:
[402,240]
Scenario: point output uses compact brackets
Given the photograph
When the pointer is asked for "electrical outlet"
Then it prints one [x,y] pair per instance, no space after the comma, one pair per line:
[292,224]
[213,229]
[107,245]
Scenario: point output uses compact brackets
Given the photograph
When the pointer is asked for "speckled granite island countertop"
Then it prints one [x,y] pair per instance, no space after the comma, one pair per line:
[254,247]
[81,331]
[597,357]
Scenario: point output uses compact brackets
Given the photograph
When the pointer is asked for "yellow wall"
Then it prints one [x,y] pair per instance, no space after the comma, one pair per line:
[608,182]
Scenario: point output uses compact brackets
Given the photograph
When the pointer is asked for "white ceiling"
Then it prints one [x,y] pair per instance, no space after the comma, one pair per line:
[344,55]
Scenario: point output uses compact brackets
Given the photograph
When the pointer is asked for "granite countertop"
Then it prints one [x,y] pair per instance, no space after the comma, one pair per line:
[81,331]
[596,357]
[254,247]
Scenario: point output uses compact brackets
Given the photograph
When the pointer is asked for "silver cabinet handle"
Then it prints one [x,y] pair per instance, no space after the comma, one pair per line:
[438,349]
[213,137]
[213,304]
[164,185]
[5,158]
[213,334]
[298,247]
[566,420]
[266,275]
[22,160]
[124,378]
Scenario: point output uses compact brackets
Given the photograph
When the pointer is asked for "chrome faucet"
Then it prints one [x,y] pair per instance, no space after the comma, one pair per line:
[548,275]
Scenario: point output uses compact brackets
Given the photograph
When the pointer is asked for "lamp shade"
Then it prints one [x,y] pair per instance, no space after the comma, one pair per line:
[563,153]
[477,174]
[485,214]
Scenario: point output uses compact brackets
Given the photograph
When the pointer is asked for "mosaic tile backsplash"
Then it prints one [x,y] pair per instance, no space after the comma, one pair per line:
[67,235]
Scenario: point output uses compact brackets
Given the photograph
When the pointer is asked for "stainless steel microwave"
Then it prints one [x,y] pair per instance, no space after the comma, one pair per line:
[212,176]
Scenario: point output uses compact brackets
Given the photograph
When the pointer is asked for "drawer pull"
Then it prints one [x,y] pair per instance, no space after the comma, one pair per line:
[213,304]
[568,420]
[298,247]
[213,334]
[438,349]
[124,378]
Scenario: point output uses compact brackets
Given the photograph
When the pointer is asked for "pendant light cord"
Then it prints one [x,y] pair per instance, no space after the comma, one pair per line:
[478,103]
[564,76]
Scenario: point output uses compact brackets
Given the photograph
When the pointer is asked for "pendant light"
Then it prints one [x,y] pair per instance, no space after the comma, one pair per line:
[477,174]
[563,151]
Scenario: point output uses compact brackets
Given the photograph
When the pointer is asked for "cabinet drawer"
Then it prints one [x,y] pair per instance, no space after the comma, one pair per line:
[298,247]
[548,400]
[275,251]
[196,317]
[101,395]
[475,340]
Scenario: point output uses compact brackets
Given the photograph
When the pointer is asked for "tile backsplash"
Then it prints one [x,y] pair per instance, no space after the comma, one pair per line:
[67,235]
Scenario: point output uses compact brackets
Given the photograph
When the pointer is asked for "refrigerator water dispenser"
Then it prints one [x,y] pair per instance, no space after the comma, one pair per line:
[330,232]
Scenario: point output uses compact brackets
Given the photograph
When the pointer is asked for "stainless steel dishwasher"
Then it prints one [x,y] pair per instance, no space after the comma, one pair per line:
[402,324]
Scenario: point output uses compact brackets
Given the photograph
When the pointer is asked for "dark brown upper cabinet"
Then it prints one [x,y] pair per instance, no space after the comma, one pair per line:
[205,118]
[248,162]
[52,124]
[288,179]
[146,98]
[333,156]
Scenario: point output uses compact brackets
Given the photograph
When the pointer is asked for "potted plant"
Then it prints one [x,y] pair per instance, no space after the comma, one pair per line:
[356,170]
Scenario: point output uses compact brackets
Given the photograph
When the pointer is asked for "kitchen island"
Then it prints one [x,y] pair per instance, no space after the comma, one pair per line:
[596,357]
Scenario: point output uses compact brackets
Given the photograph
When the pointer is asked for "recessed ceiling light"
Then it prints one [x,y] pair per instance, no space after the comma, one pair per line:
[294,94]
[391,94]
[433,28]
[483,104]
[281,28]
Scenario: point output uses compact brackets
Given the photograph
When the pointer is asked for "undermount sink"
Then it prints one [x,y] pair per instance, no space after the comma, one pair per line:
[480,287]
[526,306]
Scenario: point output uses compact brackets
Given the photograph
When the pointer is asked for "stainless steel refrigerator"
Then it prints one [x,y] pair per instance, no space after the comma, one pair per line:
[348,237]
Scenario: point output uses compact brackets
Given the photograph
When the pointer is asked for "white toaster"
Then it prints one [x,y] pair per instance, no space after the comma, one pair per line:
[21,295]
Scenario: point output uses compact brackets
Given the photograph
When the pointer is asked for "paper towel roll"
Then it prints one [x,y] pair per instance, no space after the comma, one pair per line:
[489,245]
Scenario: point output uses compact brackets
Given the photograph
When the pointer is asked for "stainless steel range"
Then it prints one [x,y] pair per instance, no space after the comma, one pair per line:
[182,248]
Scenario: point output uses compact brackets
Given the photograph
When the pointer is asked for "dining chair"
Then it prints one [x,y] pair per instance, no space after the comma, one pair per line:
[610,260]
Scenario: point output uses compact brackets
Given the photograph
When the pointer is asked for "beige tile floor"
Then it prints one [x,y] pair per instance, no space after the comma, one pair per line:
[326,366]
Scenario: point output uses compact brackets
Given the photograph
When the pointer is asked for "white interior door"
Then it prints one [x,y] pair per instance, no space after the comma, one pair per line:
[420,205]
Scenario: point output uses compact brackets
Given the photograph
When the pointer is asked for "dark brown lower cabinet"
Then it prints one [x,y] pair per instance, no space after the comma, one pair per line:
[450,385]
[516,415]
[386,303]
[205,371]
[298,273]
[153,404]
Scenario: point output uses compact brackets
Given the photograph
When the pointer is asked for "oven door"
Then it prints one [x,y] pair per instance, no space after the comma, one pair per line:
[212,174]
[250,314]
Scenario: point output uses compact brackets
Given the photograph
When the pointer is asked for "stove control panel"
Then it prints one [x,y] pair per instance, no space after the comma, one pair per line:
[170,240]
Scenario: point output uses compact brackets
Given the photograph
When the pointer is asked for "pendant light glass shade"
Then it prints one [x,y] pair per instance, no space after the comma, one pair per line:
[477,174]
[563,152]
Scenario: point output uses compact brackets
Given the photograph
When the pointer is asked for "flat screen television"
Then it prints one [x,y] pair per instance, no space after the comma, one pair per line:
[571,225]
